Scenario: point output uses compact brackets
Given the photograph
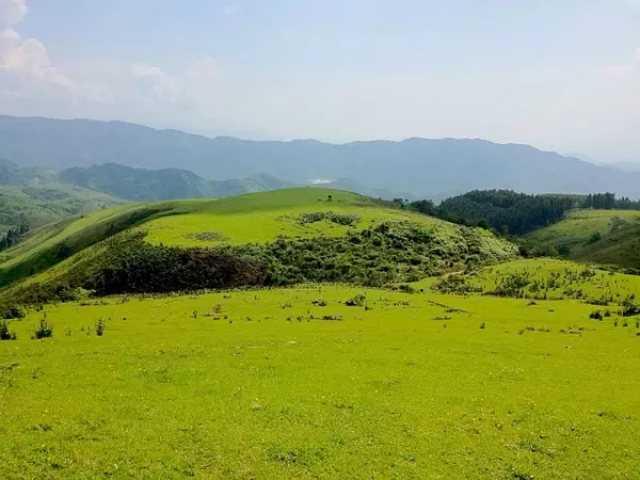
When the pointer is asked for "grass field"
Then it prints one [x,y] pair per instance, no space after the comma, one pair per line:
[581,224]
[257,384]
[608,237]
[261,217]
[560,279]
[294,383]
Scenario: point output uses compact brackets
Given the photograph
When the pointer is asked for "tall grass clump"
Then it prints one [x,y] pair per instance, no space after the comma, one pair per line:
[5,333]
[45,330]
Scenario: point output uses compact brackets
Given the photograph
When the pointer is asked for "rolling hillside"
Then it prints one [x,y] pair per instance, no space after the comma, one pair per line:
[142,185]
[39,205]
[420,167]
[607,237]
[280,237]
[36,196]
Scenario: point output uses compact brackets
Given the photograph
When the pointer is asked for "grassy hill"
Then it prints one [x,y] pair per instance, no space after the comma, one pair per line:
[281,237]
[492,369]
[35,196]
[608,237]
[140,185]
[37,205]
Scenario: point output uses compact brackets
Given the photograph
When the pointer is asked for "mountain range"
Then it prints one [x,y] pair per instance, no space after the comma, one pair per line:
[416,167]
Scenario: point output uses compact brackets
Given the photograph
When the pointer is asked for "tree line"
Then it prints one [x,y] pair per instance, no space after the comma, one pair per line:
[13,236]
[510,213]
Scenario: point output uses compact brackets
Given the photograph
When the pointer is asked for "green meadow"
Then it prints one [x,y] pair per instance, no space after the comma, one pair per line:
[293,383]
[606,237]
[497,367]
[257,218]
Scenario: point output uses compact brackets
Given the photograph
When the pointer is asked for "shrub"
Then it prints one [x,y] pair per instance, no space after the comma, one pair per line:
[629,310]
[5,333]
[337,218]
[596,315]
[357,301]
[45,330]
[12,311]
[100,327]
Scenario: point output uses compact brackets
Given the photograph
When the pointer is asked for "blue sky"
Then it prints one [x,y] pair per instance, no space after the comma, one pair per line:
[558,74]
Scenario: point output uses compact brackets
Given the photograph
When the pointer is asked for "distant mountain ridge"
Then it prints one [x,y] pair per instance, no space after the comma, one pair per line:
[36,196]
[137,184]
[419,167]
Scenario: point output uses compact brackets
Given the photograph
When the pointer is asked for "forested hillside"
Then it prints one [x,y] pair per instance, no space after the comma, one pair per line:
[513,213]
[139,184]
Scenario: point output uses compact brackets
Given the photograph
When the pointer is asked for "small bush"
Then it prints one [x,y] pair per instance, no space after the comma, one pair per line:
[100,327]
[357,301]
[319,302]
[45,330]
[5,333]
[596,315]
[630,310]
[337,218]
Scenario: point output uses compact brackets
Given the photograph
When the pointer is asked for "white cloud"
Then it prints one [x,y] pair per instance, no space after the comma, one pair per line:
[12,11]
[144,70]
[232,9]
[28,58]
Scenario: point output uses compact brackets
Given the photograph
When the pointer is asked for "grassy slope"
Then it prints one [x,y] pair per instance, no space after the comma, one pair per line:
[262,217]
[390,392]
[617,247]
[41,204]
[43,248]
[247,218]
[603,283]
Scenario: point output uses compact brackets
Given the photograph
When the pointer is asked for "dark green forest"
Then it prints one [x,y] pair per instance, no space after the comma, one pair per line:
[511,213]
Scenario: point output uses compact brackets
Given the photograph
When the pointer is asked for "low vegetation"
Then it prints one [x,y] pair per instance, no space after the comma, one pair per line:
[547,279]
[391,252]
[407,385]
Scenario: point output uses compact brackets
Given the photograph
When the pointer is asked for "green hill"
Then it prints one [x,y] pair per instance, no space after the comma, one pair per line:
[607,237]
[37,205]
[37,196]
[273,238]
[141,185]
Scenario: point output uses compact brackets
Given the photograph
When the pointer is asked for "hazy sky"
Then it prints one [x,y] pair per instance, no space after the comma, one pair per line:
[558,74]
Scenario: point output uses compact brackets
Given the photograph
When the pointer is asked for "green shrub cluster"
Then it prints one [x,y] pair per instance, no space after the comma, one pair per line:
[5,333]
[45,330]
[333,217]
[12,311]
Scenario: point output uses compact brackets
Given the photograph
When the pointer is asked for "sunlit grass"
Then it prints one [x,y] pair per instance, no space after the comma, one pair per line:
[256,384]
